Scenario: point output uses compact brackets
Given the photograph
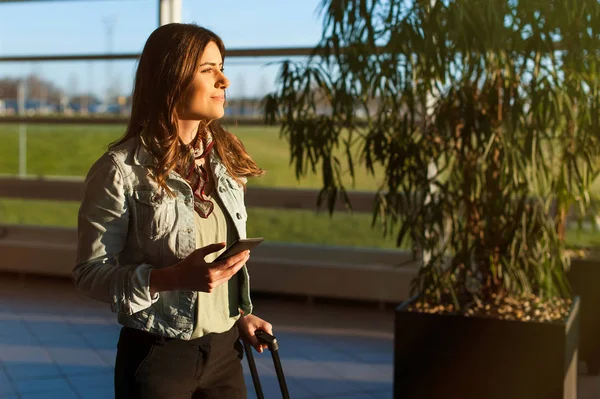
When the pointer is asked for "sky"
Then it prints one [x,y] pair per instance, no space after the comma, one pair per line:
[82,26]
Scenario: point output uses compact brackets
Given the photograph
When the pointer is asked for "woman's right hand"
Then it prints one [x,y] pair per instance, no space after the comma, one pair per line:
[195,274]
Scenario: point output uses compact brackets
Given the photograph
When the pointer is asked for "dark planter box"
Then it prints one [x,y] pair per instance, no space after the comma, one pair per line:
[584,277]
[449,356]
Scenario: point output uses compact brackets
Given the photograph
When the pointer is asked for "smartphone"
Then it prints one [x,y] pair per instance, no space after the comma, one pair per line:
[240,245]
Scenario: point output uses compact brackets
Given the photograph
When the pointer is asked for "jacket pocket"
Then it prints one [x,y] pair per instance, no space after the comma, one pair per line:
[155,213]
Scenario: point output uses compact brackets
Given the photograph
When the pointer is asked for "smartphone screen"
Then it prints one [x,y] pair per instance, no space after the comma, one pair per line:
[240,245]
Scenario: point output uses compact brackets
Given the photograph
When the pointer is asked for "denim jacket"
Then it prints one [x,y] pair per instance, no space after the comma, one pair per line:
[128,226]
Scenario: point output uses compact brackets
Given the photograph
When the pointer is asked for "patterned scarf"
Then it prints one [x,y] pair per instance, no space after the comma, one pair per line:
[197,175]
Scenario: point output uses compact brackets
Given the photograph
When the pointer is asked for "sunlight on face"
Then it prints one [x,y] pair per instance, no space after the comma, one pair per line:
[205,99]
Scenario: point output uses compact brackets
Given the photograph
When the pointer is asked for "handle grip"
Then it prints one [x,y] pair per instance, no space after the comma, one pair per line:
[268,339]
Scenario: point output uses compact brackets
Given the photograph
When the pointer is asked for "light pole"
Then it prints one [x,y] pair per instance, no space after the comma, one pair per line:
[169,11]
[21,87]
[109,24]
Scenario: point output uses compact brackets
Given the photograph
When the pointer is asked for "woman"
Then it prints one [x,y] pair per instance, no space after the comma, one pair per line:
[158,207]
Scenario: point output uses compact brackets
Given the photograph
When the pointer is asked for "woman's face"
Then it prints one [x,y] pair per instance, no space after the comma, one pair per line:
[205,99]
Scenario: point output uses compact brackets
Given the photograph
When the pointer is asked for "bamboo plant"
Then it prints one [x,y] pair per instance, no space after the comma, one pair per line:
[481,120]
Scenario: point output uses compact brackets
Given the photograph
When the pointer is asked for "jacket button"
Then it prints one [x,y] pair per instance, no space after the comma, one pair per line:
[238,215]
[188,231]
[221,189]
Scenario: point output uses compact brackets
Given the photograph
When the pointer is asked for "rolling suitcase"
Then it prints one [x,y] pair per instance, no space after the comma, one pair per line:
[273,346]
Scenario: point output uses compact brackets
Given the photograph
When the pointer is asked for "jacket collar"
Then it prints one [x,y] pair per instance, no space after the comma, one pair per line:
[143,157]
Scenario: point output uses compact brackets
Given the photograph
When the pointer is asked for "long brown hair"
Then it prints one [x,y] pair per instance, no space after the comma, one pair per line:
[165,71]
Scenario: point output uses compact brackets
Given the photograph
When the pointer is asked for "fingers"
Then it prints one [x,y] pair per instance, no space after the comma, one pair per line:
[257,324]
[221,275]
[260,347]
[256,344]
[233,261]
[220,280]
[205,277]
[209,249]
[266,327]
[249,325]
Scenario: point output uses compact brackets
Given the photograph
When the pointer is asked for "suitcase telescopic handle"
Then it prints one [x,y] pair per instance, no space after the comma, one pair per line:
[266,338]
[271,342]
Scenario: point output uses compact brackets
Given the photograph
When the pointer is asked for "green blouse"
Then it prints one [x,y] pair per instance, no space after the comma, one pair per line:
[216,312]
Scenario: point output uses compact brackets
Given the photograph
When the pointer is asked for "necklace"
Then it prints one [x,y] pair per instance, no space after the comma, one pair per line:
[198,146]
[197,175]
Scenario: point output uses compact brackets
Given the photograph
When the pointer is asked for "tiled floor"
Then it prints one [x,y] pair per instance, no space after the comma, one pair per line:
[56,344]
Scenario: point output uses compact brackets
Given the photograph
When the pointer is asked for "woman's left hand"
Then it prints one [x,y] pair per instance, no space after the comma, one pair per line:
[248,326]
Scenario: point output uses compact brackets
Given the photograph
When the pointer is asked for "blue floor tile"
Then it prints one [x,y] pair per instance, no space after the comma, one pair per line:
[27,371]
[375,357]
[386,394]
[13,328]
[42,385]
[102,340]
[109,356]
[76,370]
[309,347]
[372,386]
[370,350]
[271,389]
[72,361]
[105,392]
[6,386]
[83,328]
[40,328]
[84,382]
[61,394]
[359,395]
[328,387]
[18,338]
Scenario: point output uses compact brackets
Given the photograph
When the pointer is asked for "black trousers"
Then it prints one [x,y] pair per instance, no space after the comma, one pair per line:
[153,367]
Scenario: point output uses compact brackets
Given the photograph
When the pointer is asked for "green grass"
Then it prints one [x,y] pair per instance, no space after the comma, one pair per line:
[583,238]
[55,150]
[275,225]
[69,150]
